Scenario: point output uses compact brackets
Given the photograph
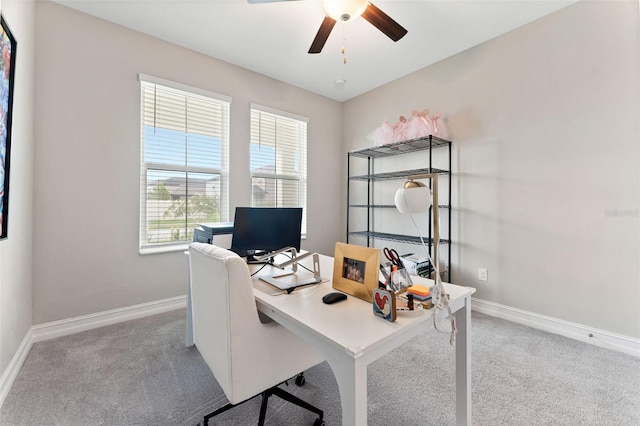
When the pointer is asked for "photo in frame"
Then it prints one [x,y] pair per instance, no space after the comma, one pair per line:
[356,270]
[7,79]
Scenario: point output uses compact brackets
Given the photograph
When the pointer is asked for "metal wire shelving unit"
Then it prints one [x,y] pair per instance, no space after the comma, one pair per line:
[371,154]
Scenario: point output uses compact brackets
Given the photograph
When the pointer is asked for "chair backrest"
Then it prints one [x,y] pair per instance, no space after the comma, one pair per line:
[224,310]
[245,355]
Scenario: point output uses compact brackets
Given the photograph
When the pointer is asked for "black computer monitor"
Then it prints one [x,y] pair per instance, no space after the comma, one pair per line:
[258,230]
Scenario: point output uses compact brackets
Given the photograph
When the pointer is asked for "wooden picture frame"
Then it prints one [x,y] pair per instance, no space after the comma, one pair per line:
[356,270]
[7,79]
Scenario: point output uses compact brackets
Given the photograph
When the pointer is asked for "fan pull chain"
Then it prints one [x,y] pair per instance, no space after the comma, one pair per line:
[344,43]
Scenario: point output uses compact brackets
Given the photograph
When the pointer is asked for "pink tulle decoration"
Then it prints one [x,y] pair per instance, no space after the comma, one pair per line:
[400,130]
[440,128]
[382,134]
[418,125]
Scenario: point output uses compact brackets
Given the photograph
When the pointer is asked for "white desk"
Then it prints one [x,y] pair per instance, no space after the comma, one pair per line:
[351,337]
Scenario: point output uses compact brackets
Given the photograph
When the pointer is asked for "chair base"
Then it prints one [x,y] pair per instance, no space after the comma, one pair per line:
[263,406]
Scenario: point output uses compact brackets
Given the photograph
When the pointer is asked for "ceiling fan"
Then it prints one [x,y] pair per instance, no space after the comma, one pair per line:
[345,11]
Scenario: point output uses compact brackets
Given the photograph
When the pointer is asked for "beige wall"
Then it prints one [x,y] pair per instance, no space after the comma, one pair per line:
[15,251]
[87,151]
[546,161]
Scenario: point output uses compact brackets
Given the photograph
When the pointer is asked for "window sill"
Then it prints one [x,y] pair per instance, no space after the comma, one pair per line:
[164,249]
[170,248]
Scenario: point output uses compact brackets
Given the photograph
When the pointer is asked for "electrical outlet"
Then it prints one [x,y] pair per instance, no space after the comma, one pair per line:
[483,274]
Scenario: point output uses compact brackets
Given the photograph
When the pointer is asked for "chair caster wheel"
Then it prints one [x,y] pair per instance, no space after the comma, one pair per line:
[300,380]
[318,422]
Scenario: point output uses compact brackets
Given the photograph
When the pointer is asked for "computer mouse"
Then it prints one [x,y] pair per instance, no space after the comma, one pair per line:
[333,298]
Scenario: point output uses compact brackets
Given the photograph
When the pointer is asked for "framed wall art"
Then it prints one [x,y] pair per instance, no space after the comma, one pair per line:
[7,77]
[356,270]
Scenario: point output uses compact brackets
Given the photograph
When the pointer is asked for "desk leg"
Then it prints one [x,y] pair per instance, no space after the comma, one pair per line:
[463,364]
[189,306]
[189,318]
[351,375]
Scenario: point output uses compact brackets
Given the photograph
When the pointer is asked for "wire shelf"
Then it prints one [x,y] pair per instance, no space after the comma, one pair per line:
[412,239]
[400,147]
[375,206]
[403,174]
[388,206]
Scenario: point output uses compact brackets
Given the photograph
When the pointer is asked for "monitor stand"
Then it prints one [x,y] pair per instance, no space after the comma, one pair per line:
[289,280]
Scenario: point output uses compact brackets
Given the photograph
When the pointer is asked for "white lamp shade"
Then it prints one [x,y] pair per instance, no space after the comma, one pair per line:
[413,197]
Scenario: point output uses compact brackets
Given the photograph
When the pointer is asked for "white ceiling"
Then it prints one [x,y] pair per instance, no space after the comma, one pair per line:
[273,38]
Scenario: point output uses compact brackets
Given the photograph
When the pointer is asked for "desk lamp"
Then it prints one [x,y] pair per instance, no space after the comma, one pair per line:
[416,197]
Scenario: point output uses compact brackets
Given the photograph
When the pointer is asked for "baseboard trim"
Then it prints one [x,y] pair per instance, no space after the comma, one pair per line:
[594,336]
[68,326]
[51,330]
[11,372]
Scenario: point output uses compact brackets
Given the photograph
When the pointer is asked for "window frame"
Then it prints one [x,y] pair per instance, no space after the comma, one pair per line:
[303,147]
[145,247]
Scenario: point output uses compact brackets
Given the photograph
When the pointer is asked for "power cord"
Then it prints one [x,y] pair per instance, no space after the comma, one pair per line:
[440,297]
[261,268]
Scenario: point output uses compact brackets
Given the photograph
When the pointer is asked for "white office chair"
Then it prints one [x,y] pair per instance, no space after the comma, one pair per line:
[247,357]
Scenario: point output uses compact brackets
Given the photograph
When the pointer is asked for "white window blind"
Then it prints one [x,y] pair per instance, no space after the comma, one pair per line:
[278,160]
[184,162]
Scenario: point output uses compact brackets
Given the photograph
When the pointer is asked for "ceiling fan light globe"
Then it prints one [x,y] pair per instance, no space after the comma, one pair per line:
[344,10]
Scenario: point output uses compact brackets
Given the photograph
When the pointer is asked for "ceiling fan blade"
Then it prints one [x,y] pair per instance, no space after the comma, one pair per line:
[384,22]
[322,35]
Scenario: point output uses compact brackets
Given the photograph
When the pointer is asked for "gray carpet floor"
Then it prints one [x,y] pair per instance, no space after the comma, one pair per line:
[141,373]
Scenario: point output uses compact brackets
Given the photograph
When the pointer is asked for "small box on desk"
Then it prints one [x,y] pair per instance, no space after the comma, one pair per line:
[417,265]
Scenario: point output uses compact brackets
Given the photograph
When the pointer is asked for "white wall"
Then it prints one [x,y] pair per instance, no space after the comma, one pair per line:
[15,251]
[546,161]
[87,151]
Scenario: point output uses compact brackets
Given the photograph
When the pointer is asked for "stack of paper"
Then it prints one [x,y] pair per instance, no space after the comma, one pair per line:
[419,292]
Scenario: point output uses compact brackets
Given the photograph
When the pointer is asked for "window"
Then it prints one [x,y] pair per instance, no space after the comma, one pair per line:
[278,160]
[184,162]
